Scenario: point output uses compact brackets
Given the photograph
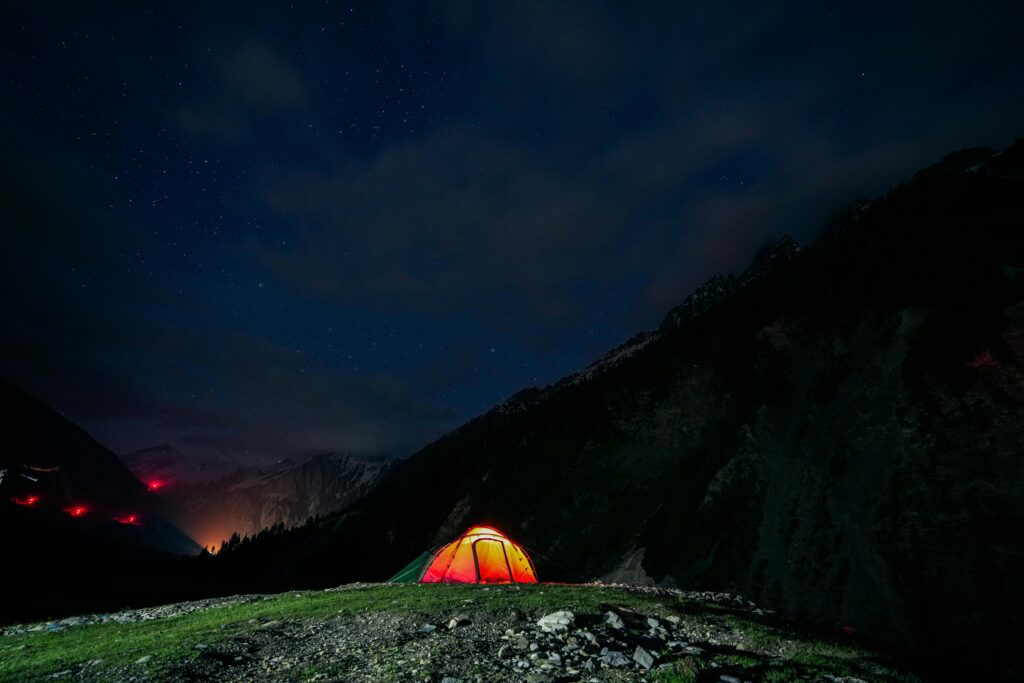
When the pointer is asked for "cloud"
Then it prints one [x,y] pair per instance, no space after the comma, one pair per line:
[452,222]
[263,78]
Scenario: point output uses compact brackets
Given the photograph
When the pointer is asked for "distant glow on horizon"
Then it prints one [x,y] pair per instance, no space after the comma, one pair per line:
[77,510]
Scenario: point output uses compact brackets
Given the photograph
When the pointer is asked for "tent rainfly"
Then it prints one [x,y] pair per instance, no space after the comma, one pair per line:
[481,555]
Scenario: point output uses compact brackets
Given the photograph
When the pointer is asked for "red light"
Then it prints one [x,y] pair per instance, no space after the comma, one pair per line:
[154,485]
[76,511]
[128,519]
[27,501]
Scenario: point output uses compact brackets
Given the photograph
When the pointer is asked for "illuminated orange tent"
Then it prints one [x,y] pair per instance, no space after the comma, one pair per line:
[481,555]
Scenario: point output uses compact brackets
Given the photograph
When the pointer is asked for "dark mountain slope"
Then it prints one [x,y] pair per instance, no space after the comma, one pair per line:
[55,562]
[78,468]
[835,433]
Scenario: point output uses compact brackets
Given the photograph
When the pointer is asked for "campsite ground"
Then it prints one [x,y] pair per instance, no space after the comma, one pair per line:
[419,632]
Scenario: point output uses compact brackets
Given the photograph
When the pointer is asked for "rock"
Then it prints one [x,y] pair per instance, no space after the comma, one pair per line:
[614,658]
[143,660]
[520,642]
[451,679]
[614,620]
[458,620]
[426,628]
[60,674]
[556,621]
[653,623]
[201,646]
[729,679]
[643,658]
[673,619]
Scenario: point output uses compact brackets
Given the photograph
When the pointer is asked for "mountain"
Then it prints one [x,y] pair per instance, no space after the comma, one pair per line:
[213,498]
[78,526]
[164,465]
[323,484]
[835,432]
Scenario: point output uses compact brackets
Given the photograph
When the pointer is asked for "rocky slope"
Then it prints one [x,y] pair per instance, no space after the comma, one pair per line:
[445,633]
[835,432]
[213,498]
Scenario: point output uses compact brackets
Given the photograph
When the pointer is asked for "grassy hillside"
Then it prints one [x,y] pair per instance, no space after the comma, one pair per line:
[420,632]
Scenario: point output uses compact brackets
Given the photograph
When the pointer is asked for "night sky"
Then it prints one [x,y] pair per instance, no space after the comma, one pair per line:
[276,229]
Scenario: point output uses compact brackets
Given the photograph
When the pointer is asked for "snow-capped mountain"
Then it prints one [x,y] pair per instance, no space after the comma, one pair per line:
[213,496]
[167,466]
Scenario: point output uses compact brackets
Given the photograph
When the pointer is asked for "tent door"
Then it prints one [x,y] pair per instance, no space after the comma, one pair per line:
[491,559]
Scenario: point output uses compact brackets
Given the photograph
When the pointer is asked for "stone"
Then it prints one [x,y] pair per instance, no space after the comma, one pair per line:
[614,620]
[520,642]
[556,621]
[643,657]
[458,620]
[143,660]
[673,619]
[426,628]
[729,679]
[614,658]
[653,623]
[451,679]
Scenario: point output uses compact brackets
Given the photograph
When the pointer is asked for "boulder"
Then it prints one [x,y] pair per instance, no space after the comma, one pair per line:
[556,621]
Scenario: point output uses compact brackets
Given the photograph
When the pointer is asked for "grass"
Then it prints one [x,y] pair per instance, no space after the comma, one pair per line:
[35,654]
[773,652]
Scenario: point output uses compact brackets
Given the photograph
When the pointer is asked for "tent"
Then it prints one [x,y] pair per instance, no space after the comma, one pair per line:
[481,555]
